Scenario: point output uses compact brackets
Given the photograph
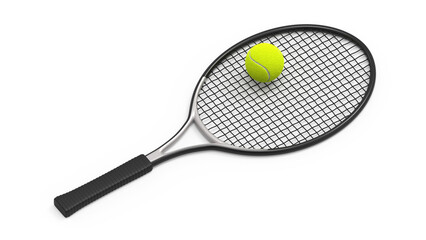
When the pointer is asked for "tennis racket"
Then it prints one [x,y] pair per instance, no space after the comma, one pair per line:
[328,78]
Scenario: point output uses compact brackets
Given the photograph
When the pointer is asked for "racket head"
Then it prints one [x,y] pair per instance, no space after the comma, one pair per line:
[297,36]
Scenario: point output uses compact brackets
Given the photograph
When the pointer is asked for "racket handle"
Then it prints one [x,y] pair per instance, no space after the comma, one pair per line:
[76,199]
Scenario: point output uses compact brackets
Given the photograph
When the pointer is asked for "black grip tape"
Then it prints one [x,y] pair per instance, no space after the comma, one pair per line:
[74,200]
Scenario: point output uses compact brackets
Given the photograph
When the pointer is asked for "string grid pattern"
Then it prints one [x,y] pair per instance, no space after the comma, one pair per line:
[324,80]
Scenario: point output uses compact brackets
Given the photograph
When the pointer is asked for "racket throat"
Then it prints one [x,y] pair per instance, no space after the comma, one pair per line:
[186,139]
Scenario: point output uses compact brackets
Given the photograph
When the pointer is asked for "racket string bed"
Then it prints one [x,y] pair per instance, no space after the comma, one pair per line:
[325,78]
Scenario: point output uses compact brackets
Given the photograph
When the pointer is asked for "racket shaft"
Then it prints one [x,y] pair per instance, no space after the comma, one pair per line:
[76,199]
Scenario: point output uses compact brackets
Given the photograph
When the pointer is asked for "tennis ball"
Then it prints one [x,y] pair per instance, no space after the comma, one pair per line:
[264,62]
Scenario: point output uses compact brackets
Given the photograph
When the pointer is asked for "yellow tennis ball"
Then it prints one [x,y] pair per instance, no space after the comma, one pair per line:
[264,62]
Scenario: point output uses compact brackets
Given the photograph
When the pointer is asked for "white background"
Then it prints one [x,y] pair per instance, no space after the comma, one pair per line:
[87,85]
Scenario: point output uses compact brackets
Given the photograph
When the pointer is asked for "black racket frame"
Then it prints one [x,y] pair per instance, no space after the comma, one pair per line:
[290,28]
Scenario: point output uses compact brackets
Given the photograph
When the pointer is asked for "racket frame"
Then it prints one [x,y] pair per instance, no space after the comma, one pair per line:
[76,199]
[160,154]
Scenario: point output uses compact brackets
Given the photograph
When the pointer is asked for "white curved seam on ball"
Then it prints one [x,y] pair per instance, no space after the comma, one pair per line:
[269,76]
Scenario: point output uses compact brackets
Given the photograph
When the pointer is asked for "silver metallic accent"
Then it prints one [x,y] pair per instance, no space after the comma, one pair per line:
[193,118]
